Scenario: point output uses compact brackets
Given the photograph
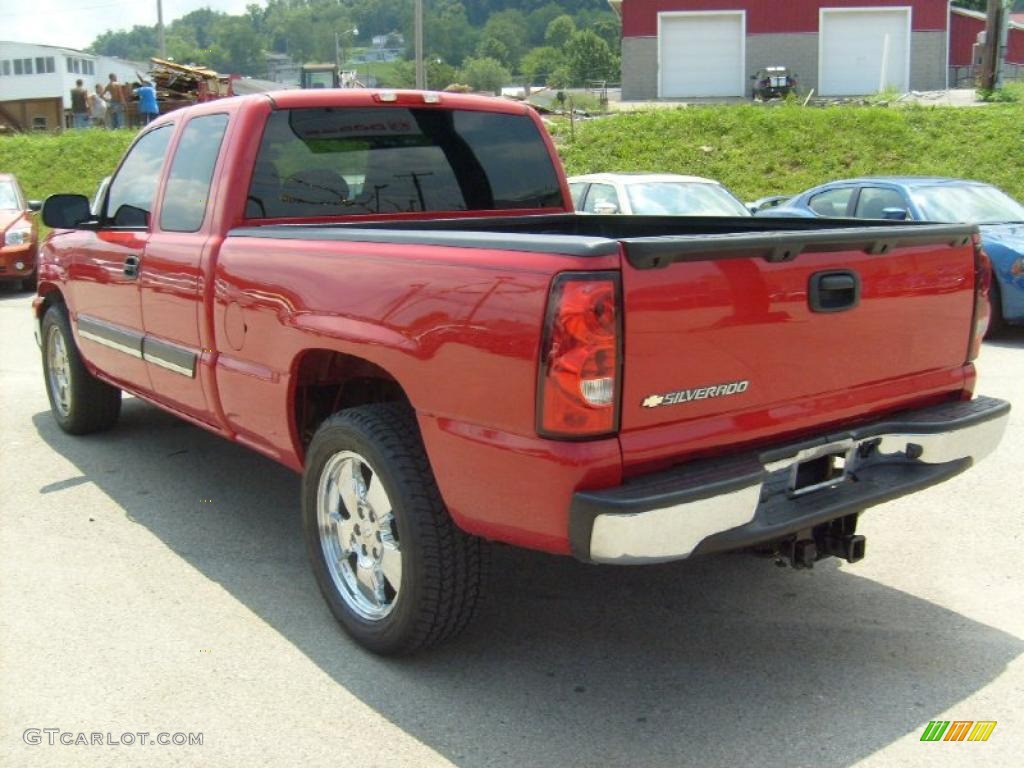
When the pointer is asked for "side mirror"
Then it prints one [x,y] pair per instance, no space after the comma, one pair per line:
[35,205]
[896,214]
[66,211]
[605,209]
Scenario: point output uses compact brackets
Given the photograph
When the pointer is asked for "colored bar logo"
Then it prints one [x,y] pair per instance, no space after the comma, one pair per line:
[958,730]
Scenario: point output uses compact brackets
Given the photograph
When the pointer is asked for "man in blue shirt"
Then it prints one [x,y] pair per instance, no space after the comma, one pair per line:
[148,109]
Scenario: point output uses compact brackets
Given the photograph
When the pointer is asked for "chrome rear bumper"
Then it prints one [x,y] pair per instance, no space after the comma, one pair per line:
[720,504]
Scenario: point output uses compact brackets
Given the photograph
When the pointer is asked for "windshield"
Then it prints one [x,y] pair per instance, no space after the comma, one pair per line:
[970,203]
[8,197]
[683,198]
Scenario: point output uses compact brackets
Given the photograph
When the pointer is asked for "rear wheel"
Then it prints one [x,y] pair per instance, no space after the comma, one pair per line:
[395,570]
[996,323]
[80,402]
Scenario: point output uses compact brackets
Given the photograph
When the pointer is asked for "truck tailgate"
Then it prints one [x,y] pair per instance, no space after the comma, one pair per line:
[741,339]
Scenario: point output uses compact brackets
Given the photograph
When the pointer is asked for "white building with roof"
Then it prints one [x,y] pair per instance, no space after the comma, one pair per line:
[31,71]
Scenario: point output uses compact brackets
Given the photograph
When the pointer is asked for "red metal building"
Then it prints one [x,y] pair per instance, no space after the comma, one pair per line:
[711,48]
[965,26]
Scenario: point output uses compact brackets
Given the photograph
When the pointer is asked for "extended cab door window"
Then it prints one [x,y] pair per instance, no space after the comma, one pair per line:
[832,203]
[873,202]
[188,184]
[132,191]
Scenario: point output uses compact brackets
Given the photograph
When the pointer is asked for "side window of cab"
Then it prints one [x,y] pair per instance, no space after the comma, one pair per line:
[188,184]
[133,189]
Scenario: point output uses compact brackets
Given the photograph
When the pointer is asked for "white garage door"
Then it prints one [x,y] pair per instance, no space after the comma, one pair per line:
[701,54]
[855,45]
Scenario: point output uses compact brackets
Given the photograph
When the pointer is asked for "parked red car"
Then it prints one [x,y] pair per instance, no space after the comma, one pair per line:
[20,234]
[390,293]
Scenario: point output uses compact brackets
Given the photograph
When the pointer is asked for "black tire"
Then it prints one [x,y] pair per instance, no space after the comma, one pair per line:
[443,569]
[996,323]
[91,405]
[29,283]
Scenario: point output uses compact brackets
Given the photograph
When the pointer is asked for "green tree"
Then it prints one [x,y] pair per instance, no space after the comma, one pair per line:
[559,31]
[447,32]
[510,28]
[484,74]
[588,57]
[609,30]
[540,63]
[537,22]
[493,48]
[439,75]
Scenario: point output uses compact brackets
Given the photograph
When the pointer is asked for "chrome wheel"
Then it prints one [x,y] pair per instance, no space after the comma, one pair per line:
[358,535]
[58,370]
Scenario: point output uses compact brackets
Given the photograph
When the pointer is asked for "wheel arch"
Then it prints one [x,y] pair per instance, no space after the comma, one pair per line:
[325,381]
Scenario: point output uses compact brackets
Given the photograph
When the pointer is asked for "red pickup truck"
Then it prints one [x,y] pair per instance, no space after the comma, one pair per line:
[390,293]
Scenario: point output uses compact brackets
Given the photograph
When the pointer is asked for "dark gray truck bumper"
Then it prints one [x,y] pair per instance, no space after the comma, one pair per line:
[716,505]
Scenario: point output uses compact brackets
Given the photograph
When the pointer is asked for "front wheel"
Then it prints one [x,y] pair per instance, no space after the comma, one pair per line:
[395,570]
[80,402]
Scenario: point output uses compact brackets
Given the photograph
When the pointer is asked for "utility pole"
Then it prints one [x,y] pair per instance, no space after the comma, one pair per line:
[160,42]
[991,57]
[421,74]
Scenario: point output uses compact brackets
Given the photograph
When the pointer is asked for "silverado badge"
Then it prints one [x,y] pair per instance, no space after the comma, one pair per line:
[697,393]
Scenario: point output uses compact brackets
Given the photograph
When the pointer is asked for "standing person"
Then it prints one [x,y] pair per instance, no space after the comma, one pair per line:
[148,109]
[79,106]
[98,108]
[118,101]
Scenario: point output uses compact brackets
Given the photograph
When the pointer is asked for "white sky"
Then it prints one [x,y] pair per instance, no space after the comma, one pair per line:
[76,23]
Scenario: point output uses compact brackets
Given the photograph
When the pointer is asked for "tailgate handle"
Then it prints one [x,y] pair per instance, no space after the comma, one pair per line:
[834,291]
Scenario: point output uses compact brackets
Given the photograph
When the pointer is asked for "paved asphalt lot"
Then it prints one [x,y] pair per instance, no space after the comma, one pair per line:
[152,579]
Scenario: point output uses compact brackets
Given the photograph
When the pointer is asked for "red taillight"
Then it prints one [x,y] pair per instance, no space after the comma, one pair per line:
[982,283]
[578,389]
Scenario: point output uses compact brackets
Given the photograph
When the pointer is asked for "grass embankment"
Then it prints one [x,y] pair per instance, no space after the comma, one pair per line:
[758,151]
[74,161]
[755,150]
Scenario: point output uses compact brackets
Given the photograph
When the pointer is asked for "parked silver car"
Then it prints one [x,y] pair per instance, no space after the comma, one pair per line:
[653,194]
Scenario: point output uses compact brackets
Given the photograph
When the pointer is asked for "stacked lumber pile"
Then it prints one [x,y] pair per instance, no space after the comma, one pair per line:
[176,83]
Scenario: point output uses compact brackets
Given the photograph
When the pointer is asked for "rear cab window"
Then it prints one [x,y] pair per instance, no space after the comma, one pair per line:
[392,160]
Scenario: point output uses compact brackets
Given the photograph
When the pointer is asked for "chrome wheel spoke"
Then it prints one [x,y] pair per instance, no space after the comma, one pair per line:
[377,497]
[349,485]
[345,527]
[369,578]
[391,564]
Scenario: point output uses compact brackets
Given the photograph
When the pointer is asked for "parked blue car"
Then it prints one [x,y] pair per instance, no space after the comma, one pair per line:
[999,217]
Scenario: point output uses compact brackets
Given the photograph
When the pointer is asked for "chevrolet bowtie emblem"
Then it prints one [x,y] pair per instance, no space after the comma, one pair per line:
[653,401]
